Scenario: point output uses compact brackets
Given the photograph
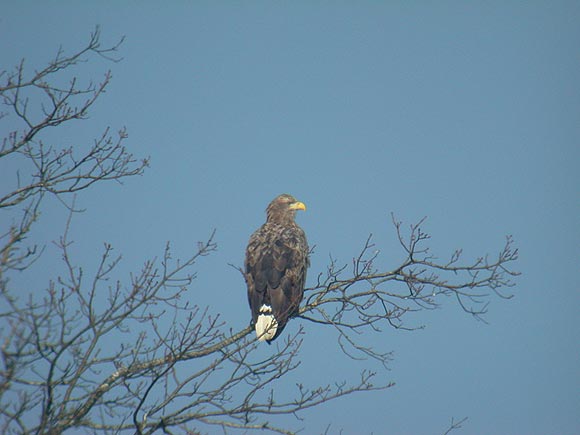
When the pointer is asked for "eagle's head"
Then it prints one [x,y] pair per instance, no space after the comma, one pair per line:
[283,208]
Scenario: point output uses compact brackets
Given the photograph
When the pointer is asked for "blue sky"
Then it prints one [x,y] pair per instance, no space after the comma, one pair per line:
[465,112]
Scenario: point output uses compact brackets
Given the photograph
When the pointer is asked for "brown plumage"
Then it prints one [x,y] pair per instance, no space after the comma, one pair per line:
[275,268]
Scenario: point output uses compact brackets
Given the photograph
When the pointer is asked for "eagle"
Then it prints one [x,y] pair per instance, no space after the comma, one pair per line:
[275,268]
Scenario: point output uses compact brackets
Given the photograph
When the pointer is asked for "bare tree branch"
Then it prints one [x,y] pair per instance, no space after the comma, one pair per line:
[455,425]
[370,298]
[52,168]
[57,169]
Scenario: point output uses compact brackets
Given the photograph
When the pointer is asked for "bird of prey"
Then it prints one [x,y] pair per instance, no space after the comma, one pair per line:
[275,268]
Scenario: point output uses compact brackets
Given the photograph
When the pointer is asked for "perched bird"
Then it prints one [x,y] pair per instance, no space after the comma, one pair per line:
[275,268]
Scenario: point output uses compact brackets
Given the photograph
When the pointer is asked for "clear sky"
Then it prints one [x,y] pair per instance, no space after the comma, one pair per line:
[465,112]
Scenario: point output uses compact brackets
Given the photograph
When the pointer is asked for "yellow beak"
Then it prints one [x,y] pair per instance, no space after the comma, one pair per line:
[297,206]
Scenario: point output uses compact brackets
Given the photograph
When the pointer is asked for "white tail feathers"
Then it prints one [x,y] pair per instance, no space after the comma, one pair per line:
[266,325]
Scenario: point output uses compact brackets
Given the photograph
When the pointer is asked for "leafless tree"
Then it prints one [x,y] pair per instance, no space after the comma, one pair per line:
[107,356]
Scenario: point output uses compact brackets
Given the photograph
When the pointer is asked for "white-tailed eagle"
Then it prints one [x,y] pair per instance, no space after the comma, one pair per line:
[275,268]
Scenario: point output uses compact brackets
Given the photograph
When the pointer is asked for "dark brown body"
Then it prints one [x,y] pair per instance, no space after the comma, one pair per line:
[276,264]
